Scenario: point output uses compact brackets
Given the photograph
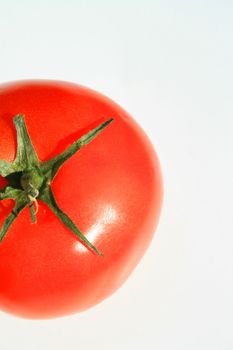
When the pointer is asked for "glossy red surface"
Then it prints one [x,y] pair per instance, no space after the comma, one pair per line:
[112,190]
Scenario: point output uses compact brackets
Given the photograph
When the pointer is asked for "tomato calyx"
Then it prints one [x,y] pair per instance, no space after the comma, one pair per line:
[30,180]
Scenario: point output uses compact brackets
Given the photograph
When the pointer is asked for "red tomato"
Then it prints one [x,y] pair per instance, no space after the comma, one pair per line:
[111,189]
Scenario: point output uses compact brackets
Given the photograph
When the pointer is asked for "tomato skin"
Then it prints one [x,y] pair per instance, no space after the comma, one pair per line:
[112,190]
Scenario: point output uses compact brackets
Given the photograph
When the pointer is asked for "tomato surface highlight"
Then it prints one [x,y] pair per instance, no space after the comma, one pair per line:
[111,189]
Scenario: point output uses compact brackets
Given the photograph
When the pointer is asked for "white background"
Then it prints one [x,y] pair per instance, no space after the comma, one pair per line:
[170,65]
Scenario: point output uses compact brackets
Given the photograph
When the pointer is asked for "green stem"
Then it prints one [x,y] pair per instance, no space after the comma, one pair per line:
[28,178]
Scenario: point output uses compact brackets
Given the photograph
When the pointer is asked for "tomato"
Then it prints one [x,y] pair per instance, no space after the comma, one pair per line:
[111,189]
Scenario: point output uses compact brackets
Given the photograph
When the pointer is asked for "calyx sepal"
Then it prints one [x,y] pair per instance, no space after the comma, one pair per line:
[29,179]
